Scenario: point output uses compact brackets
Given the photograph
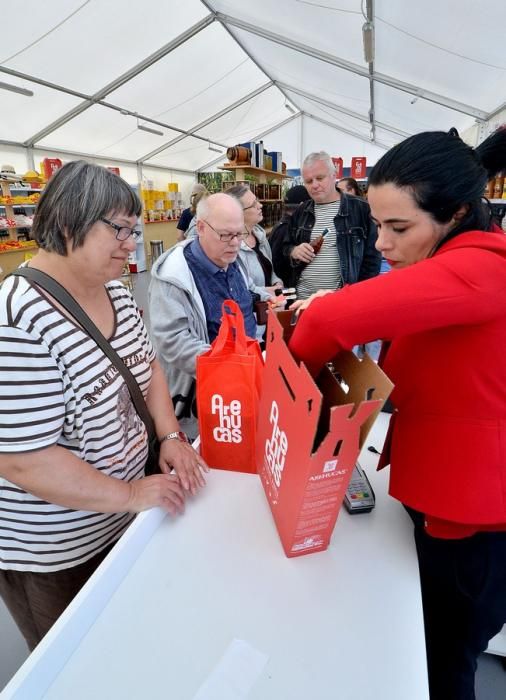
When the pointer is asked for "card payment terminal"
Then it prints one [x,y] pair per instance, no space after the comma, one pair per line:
[359,497]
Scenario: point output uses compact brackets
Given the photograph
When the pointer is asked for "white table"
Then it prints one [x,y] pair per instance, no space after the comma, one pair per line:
[165,606]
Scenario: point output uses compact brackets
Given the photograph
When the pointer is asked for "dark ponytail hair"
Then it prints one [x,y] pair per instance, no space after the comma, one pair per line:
[444,173]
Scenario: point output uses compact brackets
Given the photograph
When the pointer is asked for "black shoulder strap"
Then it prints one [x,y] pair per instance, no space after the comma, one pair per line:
[70,304]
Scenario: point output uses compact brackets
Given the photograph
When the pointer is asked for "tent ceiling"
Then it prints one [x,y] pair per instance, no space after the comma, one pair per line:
[470,37]
[116,137]
[220,72]
[101,41]
[180,91]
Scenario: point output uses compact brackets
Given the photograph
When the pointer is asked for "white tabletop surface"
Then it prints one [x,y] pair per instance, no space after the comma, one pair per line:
[212,603]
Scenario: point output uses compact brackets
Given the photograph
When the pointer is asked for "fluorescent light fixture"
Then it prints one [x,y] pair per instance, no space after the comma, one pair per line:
[15,88]
[149,129]
[368,39]
[289,107]
[213,148]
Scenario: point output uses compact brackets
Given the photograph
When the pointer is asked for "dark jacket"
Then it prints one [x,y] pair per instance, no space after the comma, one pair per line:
[281,265]
[356,236]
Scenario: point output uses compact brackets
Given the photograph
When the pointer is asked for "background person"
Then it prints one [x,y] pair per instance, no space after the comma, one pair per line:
[443,307]
[189,284]
[348,254]
[293,197]
[188,214]
[255,251]
[350,186]
[72,447]
[255,255]
[191,231]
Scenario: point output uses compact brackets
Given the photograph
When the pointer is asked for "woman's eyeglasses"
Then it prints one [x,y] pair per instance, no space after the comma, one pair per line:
[227,237]
[256,203]
[123,232]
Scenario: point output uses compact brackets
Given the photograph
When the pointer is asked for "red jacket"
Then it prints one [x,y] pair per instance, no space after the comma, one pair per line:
[446,318]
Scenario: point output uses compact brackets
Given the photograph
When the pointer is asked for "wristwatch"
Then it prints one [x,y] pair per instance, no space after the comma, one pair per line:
[178,435]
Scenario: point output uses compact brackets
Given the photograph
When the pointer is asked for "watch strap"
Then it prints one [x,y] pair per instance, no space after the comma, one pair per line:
[177,435]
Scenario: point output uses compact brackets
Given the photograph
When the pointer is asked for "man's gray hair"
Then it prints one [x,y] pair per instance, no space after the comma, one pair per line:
[75,198]
[323,156]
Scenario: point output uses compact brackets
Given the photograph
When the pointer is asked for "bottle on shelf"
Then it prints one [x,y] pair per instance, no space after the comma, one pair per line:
[498,187]
[489,189]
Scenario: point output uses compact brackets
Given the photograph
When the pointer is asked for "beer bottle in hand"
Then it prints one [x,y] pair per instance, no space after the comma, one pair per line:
[318,242]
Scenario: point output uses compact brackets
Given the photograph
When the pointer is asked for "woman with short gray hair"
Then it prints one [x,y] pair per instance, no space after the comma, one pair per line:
[72,446]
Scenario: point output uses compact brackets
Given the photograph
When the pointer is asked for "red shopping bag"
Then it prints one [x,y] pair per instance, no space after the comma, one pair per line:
[229,377]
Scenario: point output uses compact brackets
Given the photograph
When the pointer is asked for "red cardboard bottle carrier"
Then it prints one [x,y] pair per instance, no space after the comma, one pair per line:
[309,436]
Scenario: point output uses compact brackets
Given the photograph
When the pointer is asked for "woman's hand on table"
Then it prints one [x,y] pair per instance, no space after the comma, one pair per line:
[186,462]
[162,490]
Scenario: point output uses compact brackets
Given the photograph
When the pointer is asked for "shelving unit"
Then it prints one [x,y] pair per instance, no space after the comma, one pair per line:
[272,206]
[8,193]
[251,170]
[11,258]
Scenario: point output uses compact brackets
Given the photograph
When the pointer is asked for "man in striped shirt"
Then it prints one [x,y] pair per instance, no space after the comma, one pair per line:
[347,253]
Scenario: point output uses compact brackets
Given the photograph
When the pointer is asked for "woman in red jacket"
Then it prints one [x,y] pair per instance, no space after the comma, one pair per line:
[443,313]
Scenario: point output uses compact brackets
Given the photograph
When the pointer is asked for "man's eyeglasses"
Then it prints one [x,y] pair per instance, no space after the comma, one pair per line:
[123,232]
[256,203]
[227,237]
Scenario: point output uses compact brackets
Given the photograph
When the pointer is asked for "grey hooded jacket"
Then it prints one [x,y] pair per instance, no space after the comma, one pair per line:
[178,330]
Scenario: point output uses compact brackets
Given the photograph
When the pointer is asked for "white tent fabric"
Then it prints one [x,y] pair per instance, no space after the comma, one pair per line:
[215,73]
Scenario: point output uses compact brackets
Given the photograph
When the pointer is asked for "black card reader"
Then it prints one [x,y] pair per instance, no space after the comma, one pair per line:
[359,497]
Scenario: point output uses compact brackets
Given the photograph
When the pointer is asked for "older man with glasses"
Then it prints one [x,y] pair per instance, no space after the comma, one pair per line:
[189,284]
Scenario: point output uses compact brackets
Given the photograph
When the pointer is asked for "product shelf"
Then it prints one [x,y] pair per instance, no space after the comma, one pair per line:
[255,171]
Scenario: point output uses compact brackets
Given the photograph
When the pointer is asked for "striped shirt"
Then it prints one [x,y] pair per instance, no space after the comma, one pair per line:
[57,387]
[324,272]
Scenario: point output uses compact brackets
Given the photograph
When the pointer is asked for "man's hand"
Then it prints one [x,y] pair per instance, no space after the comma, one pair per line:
[303,253]
[186,462]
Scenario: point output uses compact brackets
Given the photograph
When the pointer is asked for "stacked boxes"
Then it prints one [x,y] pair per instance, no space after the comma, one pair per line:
[161,205]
